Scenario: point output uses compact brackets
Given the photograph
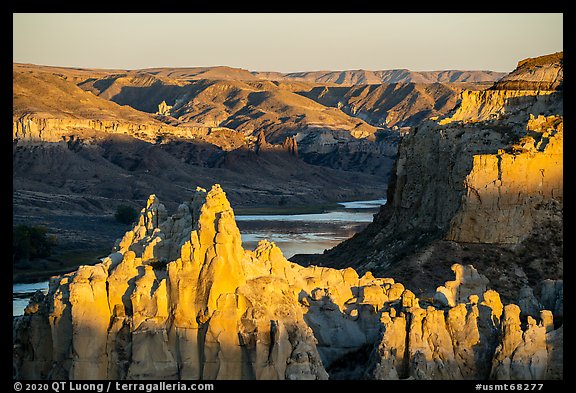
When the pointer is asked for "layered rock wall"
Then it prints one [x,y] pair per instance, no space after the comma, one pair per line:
[505,193]
[46,129]
[477,106]
[489,173]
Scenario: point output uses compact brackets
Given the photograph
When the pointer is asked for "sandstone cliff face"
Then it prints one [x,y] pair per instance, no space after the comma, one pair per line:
[532,88]
[180,298]
[509,105]
[499,189]
[339,150]
[32,128]
[506,192]
[489,174]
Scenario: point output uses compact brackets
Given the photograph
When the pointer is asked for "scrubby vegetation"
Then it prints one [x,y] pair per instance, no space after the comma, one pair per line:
[125,214]
[31,242]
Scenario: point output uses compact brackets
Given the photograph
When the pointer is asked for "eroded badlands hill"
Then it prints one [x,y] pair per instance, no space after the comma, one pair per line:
[180,298]
[352,133]
[394,105]
[77,156]
[74,151]
[87,140]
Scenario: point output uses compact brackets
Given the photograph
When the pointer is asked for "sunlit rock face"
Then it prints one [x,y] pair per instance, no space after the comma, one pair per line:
[497,163]
[180,298]
[514,105]
[532,88]
[477,338]
[506,193]
[487,178]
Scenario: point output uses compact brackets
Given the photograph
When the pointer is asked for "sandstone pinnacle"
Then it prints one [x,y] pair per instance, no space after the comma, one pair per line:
[180,298]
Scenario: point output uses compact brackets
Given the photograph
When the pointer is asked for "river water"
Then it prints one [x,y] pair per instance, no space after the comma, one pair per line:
[294,234]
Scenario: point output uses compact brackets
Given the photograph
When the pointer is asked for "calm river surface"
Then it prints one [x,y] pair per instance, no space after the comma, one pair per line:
[294,234]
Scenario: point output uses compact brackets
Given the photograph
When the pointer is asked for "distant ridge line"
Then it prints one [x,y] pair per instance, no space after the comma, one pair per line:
[344,78]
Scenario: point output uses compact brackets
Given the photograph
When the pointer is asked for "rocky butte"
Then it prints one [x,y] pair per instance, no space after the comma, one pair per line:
[482,185]
[180,298]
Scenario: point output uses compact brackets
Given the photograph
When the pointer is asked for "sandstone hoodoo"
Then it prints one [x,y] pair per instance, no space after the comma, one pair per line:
[180,298]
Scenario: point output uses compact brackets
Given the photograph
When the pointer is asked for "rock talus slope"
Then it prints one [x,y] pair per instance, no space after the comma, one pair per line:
[180,298]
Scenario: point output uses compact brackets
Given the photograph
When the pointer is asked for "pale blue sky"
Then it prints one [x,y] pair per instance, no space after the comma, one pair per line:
[287,42]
